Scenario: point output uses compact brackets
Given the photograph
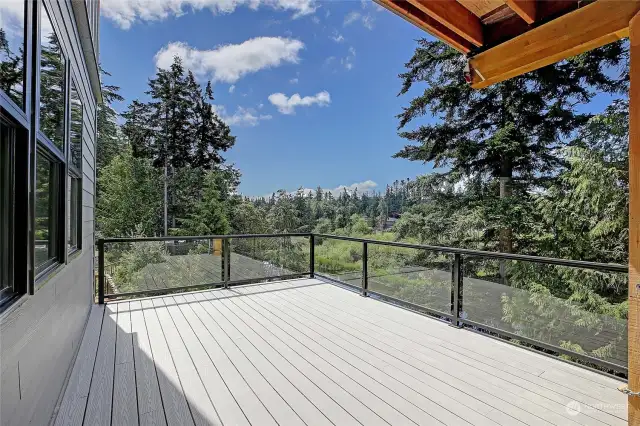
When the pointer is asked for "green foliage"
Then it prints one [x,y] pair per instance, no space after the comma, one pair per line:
[129,200]
[209,215]
[110,141]
[133,260]
[525,169]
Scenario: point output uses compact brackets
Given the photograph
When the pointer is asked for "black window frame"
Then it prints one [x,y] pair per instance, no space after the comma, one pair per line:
[32,144]
[20,119]
[6,101]
[73,171]
[8,282]
[55,214]
[57,156]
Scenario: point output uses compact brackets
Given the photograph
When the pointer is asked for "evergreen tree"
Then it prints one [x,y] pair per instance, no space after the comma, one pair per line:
[177,128]
[11,69]
[129,201]
[209,216]
[509,132]
[109,137]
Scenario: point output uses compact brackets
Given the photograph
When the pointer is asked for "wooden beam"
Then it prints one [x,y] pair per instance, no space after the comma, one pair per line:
[634,223]
[526,9]
[454,16]
[587,28]
[420,19]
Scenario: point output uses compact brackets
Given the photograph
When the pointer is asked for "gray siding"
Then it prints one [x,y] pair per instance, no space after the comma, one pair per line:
[40,334]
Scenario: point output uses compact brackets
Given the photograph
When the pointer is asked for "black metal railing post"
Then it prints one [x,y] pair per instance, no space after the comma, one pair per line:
[223,254]
[456,290]
[365,274]
[101,271]
[312,256]
[227,261]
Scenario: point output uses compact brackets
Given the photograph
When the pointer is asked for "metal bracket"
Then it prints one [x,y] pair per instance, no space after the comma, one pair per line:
[625,390]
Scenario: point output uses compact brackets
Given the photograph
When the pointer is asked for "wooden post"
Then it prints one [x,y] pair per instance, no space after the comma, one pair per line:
[634,221]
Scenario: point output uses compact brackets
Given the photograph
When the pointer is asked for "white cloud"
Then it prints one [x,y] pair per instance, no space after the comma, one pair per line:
[230,62]
[315,20]
[366,19]
[294,81]
[127,12]
[287,105]
[348,61]
[366,186]
[351,17]
[232,88]
[242,117]
[337,37]
[362,187]
[12,22]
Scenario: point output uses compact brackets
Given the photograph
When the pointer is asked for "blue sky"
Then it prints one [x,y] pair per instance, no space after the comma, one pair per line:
[351,50]
[308,87]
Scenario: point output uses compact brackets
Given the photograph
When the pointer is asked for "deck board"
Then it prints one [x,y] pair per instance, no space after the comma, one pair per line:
[98,410]
[147,387]
[173,398]
[306,352]
[72,410]
[524,394]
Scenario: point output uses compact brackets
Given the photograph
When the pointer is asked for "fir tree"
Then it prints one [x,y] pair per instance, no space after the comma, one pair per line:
[508,132]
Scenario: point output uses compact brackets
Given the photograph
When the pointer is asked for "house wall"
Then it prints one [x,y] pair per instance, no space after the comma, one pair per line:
[40,333]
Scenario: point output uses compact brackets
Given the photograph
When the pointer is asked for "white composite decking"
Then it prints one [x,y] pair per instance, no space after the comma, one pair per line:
[306,352]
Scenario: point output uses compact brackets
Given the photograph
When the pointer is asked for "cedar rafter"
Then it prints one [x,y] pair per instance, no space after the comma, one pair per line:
[454,16]
[526,9]
[420,19]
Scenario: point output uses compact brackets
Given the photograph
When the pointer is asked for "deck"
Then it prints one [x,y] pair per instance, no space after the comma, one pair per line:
[307,352]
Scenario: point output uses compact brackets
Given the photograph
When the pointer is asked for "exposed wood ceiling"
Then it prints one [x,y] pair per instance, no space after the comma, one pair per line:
[506,38]
[481,7]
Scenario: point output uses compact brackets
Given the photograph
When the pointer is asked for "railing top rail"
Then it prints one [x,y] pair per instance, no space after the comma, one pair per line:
[200,237]
[611,267]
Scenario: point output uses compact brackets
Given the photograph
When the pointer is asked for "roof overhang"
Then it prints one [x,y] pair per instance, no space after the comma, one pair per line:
[86,42]
[507,38]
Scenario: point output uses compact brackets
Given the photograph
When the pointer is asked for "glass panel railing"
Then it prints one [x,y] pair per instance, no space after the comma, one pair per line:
[339,260]
[143,266]
[415,276]
[577,309]
[139,266]
[268,257]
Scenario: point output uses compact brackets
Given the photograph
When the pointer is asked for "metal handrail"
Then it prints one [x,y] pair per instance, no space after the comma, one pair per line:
[611,267]
[455,315]
[203,237]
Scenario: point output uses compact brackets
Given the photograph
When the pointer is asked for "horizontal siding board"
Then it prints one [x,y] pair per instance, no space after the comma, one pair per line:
[44,333]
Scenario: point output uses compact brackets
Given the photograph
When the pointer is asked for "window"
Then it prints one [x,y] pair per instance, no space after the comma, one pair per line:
[75,128]
[12,48]
[47,185]
[73,213]
[74,160]
[52,84]
[6,211]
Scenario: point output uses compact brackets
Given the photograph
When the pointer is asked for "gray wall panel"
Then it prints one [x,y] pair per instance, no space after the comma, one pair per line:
[40,334]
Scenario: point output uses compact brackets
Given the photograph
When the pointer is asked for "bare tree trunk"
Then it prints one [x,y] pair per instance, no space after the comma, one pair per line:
[506,233]
[506,243]
[165,200]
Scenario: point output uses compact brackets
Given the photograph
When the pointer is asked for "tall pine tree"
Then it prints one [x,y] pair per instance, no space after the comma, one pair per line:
[509,133]
[177,128]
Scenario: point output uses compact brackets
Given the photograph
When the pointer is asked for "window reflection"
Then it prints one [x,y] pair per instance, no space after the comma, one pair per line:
[44,220]
[52,73]
[12,23]
[72,212]
[75,134]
